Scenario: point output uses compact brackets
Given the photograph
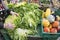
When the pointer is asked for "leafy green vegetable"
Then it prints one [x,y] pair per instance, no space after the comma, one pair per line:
[10,5]
[10,19]
[21,34]
[29,17]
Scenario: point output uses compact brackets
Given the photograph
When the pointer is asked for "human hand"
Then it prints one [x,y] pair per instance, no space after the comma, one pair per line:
[14,13]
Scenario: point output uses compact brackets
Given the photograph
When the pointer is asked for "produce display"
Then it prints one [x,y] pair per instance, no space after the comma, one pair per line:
[27,21]
[29,18]
[50,22]
[29,15]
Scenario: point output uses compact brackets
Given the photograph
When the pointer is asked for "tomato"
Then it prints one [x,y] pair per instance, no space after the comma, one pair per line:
[55,24]
[46,29]
[53,30]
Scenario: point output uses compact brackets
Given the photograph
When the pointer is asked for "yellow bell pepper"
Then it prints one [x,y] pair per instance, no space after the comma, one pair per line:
[48,12]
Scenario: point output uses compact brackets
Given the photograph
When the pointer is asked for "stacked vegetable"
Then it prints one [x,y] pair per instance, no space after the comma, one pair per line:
[29,15]
[50,22]
[27,21]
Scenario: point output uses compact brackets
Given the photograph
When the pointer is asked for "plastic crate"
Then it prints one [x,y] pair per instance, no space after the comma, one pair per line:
[48,35]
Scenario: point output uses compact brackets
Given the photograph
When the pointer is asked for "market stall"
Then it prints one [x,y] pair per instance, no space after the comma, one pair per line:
[36,20]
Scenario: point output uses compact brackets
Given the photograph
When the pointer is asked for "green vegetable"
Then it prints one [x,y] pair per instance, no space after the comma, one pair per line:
[21,34]
[29,17]
[10,5]
[10,19]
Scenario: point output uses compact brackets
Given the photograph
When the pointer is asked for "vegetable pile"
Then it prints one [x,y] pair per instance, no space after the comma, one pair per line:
[21,34]
[29,17]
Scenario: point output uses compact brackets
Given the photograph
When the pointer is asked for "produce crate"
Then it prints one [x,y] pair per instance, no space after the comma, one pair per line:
[44,34]
[50,36]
